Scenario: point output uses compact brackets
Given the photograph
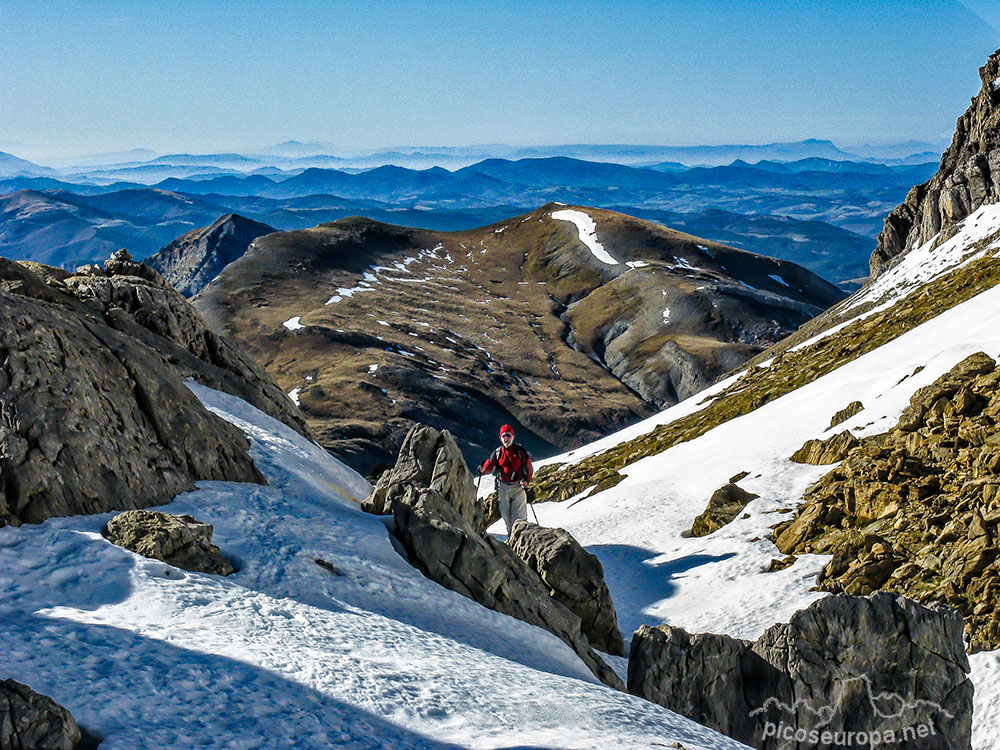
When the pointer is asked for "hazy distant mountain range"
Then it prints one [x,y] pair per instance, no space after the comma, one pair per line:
[810,201]
[298,155]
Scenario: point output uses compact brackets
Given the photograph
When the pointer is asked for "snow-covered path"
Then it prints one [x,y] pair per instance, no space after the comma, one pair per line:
[286,653]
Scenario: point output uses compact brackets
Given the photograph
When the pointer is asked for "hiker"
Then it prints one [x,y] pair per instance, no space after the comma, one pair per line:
[512,466]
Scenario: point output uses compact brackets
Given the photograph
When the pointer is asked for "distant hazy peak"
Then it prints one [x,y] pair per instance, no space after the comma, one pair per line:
[197,257]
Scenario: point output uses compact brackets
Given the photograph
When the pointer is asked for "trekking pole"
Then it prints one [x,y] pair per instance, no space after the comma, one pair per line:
[532,506]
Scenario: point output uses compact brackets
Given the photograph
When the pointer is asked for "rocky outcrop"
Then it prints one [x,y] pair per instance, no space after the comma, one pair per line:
[968,177]
[726,503]
[91,418]
[829,451]
[136,300]
[916,510]
[882,664]
[178,540]
[855,407]
[448,550]
[30,721]
[197,257]
[575,579]
[427,494]
[428,458]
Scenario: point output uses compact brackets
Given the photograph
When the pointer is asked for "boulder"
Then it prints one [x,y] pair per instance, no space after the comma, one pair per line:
[829,451]
[178,540]
[855,407]
[428,458]
[780,563]
[446,548]
[714,679]
[725,504]
[881,664]
[575,579]
[30,721]
[436,518]
[93,419]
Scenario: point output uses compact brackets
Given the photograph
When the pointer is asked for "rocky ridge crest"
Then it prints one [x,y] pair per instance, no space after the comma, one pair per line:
[195,258]
[968,177]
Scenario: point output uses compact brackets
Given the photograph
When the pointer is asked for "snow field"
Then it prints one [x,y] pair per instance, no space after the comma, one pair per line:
[362,652]
[926,263]
[716,583]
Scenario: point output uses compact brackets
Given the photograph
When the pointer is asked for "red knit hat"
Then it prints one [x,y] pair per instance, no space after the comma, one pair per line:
[506,428]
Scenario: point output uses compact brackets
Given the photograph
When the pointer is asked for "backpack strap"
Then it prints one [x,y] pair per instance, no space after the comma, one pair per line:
[523,455]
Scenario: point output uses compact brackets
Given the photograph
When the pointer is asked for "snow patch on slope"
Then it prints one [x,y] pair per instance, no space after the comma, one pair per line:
[927,262]
[587,231]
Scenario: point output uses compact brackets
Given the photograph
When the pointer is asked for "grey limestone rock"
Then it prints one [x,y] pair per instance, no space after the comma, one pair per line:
[91,419]
[179,540]
[30,721]
[429,458]
[134,299]
[447,549]
[436,519]
[575,579]
[968,177]
[845,664]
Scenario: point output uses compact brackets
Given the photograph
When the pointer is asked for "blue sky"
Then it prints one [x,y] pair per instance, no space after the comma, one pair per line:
[83,77]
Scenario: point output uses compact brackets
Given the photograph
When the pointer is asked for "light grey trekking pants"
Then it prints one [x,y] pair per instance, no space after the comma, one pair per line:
[513,504]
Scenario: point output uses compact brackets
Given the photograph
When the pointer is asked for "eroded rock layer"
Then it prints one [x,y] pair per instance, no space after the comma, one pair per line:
[916,510]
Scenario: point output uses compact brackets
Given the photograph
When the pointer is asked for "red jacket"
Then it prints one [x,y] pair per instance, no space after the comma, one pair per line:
[513,464]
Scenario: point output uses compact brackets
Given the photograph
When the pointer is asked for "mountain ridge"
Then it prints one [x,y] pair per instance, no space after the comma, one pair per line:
[517,321]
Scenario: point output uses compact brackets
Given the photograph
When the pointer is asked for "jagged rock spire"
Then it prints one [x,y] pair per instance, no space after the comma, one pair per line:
[968,177]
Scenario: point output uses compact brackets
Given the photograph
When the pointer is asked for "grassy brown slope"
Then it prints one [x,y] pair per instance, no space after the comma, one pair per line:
[790,370]
[515,322]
